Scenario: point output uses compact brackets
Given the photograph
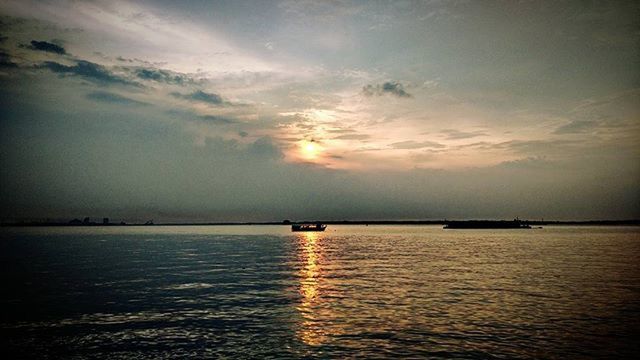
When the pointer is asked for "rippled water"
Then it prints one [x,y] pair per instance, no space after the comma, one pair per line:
[353,291]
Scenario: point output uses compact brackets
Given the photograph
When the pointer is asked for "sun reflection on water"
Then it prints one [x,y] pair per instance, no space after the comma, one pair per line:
[311,331]
[309,284]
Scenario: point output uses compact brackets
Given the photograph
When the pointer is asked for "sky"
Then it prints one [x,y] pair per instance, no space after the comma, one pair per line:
[270,110]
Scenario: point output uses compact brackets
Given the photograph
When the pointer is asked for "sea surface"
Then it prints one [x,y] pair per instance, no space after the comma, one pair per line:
[352,291]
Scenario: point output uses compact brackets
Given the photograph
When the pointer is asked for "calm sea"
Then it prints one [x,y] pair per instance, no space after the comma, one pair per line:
[353,291]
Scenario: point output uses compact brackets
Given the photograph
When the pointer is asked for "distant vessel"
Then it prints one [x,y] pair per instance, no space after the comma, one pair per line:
[308,227]
[487,224]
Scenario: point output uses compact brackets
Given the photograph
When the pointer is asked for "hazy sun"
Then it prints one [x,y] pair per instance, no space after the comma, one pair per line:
[310,149]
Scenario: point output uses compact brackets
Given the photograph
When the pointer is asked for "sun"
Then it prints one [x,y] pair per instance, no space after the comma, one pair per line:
[310,149]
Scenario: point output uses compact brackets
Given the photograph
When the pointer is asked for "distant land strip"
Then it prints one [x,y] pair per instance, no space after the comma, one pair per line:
[634,222]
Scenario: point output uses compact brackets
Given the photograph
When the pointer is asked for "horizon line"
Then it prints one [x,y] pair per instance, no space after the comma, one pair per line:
[48,222]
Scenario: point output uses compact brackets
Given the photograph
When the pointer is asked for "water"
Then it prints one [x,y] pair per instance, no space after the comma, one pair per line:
[353,291]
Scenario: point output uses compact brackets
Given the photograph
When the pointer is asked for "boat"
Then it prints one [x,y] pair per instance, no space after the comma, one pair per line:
[308,227]
[487,224]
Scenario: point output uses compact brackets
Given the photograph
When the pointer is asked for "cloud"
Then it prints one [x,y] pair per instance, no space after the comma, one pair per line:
[88,70]
[553,147]
[389,87]
[453,134]
[531,162]
[410,144]
[352,137]
[47,46]
[575,126]
[207,118]
[5,61]
[220,120]
[159,75]
[264,147]
[341,131]
[201,96]
[108,97]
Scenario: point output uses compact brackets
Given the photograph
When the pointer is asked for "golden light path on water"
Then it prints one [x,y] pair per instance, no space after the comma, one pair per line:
[313,306]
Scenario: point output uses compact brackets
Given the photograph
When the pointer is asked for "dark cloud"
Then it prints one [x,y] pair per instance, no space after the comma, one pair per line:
[220,120]
[88,70]
[410,144]
[389,87]
[47,46]
[395,88]
[108,97]
[159,75]
[201,96]
[576,126]
[5,61]
[264,147]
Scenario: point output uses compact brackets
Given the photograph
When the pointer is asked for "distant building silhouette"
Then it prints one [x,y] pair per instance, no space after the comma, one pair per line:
[105,221]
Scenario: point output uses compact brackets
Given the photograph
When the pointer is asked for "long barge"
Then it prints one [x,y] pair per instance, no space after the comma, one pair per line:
[487,224]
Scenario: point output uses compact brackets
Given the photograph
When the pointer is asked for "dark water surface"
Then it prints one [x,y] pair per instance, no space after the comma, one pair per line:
[353,291]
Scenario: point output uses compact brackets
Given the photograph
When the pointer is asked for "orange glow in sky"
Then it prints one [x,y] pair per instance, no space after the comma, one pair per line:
[310,149]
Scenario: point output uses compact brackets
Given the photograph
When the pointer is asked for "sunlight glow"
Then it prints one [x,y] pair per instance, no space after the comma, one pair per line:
[310,149]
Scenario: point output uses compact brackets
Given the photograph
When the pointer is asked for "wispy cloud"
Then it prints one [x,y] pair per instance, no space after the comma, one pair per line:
[201,96]
[352,137]
[529,147]
[452,134]
[532,162]
[219,120]
[576,126]
[87,70]
[163,76]
[410,144]
[109,97]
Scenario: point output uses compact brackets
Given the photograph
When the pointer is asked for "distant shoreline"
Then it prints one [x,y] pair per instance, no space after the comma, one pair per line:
[342,222]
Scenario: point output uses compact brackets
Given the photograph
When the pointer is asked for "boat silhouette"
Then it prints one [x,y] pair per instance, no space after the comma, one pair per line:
[308,227]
